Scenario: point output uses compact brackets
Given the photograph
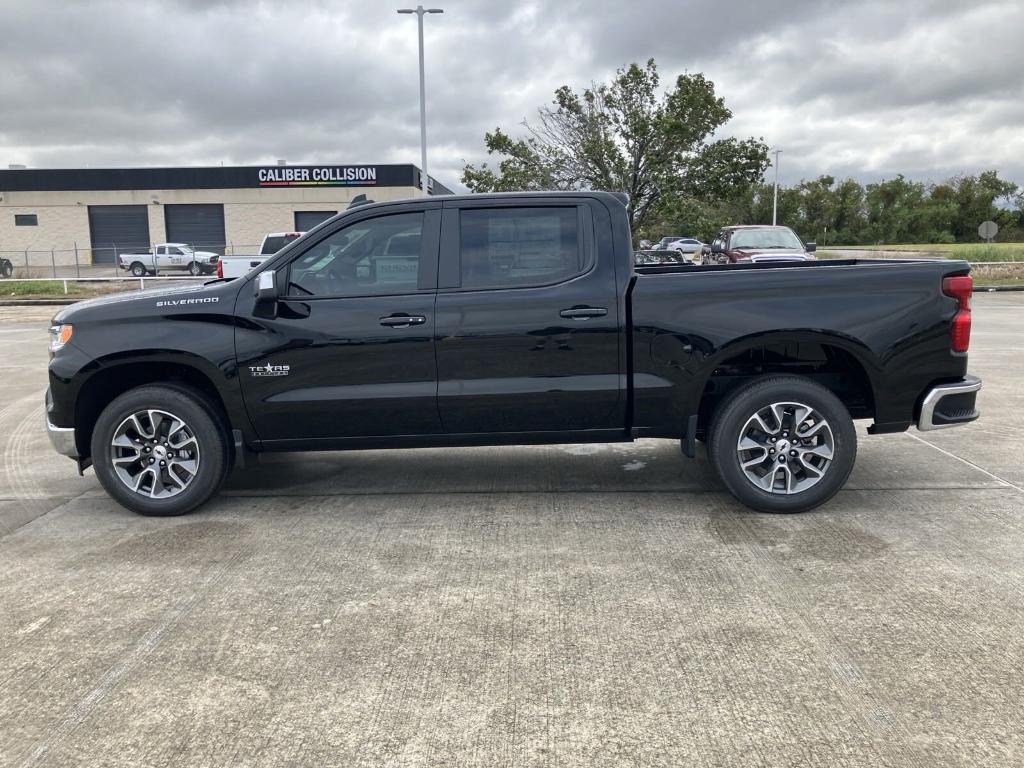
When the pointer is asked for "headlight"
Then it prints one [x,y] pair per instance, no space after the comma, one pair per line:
[59,336]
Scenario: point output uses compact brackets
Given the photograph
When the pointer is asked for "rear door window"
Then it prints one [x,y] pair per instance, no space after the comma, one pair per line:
[519,247]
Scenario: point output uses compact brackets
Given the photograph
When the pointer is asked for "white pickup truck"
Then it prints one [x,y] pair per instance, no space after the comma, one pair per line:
[165,257]
[238,265]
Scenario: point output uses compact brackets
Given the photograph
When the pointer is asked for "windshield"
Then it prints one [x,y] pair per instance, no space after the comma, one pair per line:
[768,237]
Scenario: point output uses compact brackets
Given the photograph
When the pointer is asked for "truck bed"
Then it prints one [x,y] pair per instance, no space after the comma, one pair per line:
[888,318]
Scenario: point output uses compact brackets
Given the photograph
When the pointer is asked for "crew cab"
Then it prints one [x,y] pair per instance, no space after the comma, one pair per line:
[237,265]
[512,318]
[166,257]
[756,243]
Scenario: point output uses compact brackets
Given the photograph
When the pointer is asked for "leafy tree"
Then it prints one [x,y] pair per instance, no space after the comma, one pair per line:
[627,136]
[817,208]
[850,214]
[891,207]
[895,210]
[976,199]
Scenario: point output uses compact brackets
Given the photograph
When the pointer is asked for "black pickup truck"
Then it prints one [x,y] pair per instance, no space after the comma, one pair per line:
[508,319]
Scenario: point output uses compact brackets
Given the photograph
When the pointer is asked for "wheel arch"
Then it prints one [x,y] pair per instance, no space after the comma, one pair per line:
[111,380]
[842,364]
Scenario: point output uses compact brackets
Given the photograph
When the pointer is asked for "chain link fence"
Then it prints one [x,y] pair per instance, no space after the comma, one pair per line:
[76,262]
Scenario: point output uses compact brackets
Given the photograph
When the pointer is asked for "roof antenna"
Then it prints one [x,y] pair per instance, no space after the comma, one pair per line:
[359,200]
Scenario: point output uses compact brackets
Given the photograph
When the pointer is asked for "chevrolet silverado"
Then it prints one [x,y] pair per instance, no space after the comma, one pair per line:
[515,318]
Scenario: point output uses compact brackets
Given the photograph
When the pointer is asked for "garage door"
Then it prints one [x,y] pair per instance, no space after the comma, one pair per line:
[116,229]
[306,220]
[201,226]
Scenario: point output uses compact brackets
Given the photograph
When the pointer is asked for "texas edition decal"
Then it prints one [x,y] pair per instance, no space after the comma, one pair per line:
[269,370]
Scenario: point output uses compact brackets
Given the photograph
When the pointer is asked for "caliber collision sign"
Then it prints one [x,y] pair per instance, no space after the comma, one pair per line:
[314,176]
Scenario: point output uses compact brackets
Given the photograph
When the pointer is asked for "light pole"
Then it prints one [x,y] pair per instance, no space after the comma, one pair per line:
[419,10]
[775,201]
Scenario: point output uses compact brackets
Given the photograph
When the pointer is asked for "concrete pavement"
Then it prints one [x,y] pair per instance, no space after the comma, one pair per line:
[568,605]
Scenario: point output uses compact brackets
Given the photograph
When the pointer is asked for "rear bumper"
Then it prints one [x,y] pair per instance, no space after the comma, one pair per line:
[949,405]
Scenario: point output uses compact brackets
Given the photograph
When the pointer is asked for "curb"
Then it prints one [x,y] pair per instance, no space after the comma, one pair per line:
[37,302]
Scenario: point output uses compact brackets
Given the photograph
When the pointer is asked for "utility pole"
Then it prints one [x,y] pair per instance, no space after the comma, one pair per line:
[775,202]
[419,10]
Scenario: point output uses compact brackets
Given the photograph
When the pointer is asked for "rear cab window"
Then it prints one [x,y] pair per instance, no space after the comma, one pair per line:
[520,247]
[275,243]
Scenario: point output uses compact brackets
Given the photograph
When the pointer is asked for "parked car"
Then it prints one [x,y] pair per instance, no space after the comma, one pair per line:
[6,268]
[166,257]
[686,245]
[237,265]
[756,243]
[508,319]
[662,244]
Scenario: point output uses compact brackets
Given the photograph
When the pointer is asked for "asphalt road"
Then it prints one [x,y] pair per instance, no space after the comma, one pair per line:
[556,606]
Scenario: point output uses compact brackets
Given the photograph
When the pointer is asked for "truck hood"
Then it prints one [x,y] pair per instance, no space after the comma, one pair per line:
[771,254]
[154,301]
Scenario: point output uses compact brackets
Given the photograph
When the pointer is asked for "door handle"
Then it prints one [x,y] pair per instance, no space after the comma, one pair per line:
[583,313]
[402,321]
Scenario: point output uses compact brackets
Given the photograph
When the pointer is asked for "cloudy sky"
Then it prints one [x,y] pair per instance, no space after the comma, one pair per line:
[928,88]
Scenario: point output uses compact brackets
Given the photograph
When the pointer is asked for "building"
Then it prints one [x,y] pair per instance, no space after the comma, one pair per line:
[88,215]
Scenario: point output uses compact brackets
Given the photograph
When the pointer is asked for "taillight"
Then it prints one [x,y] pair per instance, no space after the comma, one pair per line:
[960,288]
[220,269]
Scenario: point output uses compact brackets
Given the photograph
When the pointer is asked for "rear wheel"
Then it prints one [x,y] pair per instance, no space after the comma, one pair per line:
[6,268]
[783,444]
[160,450]
[138,269]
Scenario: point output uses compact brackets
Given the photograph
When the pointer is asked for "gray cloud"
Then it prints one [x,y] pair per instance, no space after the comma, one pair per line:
[872,89]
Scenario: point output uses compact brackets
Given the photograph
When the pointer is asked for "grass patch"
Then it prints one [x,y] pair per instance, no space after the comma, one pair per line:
[982,284]
[965,251]
[39,289]
[987,252]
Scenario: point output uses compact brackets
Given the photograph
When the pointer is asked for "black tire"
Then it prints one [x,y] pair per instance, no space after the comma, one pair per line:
[203,420]
[733,414]
[138,269]
[195,268]
[6,268]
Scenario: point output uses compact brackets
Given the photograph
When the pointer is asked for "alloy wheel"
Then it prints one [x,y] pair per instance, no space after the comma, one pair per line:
[785,448]
[155,454]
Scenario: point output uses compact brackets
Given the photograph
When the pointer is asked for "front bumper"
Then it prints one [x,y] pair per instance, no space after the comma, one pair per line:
[949,405]
[62,439]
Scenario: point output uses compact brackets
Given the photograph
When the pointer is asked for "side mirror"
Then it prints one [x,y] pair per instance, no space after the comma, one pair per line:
[716,247]
[266,287]
[811,247]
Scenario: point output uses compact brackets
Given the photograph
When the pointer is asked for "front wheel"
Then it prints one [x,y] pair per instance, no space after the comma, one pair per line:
[6,268]
[160,450]
[195,268]
[783,444]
